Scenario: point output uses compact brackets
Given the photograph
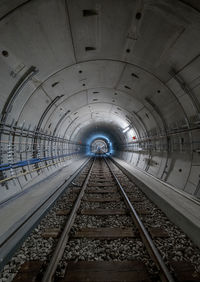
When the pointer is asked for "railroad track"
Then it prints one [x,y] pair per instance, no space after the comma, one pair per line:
[102,213]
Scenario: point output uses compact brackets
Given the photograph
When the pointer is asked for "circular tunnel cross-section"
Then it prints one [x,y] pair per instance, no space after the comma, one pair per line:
[99,146]
[118,79]
[99,70]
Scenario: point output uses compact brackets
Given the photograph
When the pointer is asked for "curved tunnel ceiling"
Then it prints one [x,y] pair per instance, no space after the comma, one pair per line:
[70,67]
[119,61]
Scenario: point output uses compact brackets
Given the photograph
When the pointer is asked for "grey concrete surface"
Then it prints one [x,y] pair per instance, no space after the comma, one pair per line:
[182,209]
[71,70]
[100,67]
[14,212]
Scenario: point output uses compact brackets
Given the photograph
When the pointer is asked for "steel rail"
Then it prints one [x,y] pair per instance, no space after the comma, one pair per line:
[164,273]
[13,240]
[58,253]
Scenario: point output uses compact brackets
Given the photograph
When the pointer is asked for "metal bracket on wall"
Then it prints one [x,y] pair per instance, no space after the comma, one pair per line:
[187,90]
[47,110]
[156,109]
[16,90]
[14,93]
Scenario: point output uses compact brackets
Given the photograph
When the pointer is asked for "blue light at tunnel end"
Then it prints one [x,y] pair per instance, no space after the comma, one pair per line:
[91,139]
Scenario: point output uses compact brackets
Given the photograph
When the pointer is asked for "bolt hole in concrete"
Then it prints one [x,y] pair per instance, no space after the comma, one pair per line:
[127,87]
[90,48]
[89,13]
[135,75]
[5,53]
[138,16]
[54,84]
[180,170]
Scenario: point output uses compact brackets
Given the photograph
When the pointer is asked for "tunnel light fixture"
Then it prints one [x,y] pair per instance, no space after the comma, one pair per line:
[126,129]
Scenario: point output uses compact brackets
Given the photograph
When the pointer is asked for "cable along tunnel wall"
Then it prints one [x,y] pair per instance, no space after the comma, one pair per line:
[26,153]
[156,91]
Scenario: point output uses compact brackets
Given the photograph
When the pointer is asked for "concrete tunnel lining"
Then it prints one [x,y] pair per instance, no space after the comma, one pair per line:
[65,77]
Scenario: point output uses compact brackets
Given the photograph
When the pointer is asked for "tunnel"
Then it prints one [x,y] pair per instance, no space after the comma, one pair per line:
[100,146]
[81,77]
